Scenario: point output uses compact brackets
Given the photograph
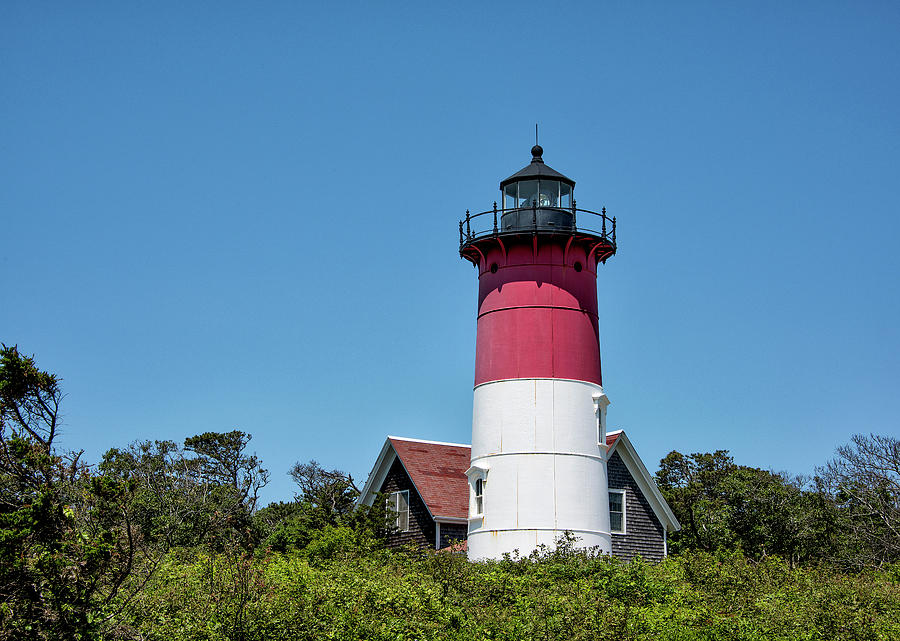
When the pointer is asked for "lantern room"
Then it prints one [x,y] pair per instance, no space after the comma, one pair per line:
[537,195]
[537,184]
[536,201]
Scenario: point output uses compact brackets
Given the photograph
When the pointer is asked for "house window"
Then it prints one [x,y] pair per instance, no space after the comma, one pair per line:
[479,497]
[617,511]
[398,510]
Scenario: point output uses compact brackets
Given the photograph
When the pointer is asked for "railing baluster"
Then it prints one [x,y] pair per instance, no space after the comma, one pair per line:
[468,226]
[614,230]
[495,218]
[460,235]
[603,218]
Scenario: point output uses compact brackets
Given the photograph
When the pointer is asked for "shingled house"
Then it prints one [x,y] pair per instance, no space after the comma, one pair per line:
[425,484]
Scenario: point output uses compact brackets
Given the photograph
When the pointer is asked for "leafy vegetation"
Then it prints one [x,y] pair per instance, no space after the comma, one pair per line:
[345,587]
[67,542]
[847,516]
[166,541]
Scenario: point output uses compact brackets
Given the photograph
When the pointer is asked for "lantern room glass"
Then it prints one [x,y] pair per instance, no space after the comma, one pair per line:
[565,195]
[528,192]
[510,193]
[543,193]
[548,193]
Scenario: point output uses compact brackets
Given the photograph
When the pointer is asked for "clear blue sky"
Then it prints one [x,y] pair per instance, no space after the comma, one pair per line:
[222,215]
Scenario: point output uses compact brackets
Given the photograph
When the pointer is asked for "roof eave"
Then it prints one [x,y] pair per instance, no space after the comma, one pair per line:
[536,171]
[363,498]
[642,476]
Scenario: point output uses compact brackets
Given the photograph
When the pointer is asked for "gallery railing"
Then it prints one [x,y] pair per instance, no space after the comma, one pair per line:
[561,220]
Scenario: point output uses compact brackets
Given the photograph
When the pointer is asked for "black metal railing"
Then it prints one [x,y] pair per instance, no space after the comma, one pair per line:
[501,222]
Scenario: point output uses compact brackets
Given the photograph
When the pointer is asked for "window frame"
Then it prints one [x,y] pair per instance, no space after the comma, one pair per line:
[623,512]
[393,505]
[600,404]
[478,484]
[474,474]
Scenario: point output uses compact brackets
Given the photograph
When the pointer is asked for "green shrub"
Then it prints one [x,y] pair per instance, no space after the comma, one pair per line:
[342,587]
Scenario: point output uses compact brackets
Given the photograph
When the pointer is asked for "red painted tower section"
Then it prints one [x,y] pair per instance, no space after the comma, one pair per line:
[537,313]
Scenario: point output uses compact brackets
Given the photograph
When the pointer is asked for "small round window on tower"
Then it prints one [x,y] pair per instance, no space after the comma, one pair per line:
[577,266]
[494,268]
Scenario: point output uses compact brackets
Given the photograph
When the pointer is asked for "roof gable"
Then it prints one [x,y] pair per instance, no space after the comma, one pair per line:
[617,441]
[437,470]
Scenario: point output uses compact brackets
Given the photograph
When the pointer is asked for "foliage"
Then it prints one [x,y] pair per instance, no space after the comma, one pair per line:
[331,492]
[165,542]
[203,493]
[722,505]
[327,499]
[349,590]
[67,545]
[864,479]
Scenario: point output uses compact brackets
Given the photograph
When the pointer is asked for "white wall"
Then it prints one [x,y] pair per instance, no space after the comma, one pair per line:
[537,440]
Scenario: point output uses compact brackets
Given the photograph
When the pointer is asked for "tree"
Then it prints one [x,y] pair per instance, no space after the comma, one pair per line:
[327,499]
[864,479]
[169,500]
[690,484]
[202,493]
[67,546]
[223,462]
[330,491]
[724,505]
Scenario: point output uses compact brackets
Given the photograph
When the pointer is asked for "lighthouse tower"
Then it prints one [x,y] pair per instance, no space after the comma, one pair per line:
[538,465]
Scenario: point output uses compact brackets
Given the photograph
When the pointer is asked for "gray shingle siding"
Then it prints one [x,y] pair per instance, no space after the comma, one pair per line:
[452,532]
[421,526]
[643,531]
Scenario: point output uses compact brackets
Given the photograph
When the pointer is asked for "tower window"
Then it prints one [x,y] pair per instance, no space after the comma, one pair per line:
[479,497]
[577,266]
[398,510]
[617,511]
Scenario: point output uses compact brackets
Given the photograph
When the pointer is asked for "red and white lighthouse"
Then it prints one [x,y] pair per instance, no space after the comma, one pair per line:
[538,429]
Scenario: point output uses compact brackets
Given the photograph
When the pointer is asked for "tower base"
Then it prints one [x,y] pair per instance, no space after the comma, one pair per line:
[493,544]
[540,464]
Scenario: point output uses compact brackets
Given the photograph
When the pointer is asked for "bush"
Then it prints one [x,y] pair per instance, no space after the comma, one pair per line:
[342,587]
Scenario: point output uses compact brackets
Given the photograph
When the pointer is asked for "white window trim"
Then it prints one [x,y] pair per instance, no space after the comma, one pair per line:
[601,401]
[624,529]
[478,497]
[392,501]
[475,474]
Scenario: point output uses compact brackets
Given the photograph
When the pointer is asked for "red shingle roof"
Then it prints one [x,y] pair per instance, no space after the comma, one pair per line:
[438,472]
[611,438]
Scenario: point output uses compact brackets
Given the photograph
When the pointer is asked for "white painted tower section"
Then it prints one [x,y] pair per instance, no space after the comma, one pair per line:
[538,446]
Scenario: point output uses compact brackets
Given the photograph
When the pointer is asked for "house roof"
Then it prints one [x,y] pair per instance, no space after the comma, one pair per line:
[438,472]
[436,469]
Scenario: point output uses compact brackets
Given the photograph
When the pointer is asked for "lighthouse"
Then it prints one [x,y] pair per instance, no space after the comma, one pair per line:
[538,459]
